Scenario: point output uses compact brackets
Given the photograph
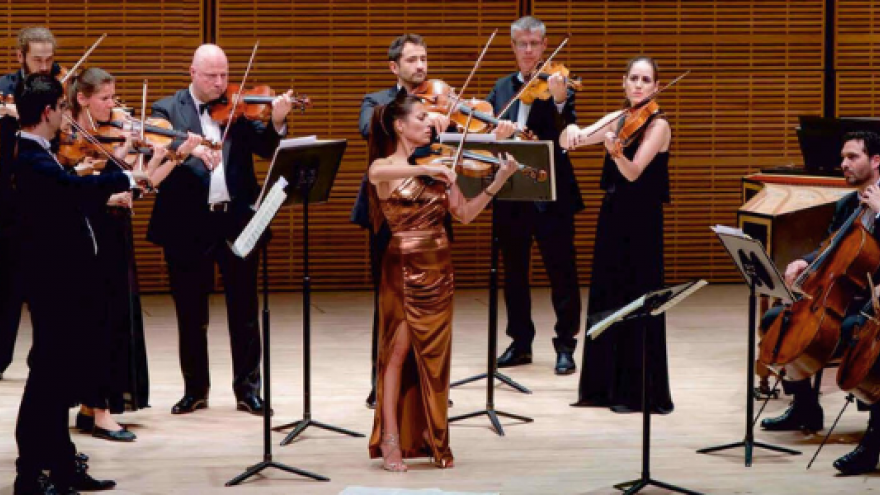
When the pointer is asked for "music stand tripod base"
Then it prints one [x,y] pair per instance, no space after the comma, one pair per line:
[308,169]
[498,376]
[757,269]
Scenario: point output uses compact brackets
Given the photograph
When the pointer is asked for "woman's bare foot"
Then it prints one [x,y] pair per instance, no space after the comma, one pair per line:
[392,457]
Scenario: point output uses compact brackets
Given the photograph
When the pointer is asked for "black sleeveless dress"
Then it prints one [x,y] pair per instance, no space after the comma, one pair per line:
[628,262]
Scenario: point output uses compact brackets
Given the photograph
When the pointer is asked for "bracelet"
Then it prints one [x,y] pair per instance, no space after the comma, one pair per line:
[490,194]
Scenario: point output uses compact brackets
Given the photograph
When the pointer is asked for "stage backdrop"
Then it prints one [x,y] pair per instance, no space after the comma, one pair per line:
[755,66]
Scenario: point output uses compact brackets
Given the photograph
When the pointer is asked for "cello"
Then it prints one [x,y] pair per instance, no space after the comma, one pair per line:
[805,334]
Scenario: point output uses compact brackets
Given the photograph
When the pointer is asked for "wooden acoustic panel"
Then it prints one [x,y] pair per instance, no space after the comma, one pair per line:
[152,40]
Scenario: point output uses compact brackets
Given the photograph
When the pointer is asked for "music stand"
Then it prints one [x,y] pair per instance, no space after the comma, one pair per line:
[311,167]
[538,155]
[652,304]
[763,278]
[302,170]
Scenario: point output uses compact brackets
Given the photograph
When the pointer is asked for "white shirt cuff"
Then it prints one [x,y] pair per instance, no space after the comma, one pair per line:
[131,180]
[560,106]
[282,131]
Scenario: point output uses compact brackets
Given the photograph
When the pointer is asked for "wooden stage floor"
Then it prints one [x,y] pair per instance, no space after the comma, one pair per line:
[565,451]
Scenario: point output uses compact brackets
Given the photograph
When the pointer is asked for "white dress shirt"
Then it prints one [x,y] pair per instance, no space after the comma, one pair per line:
[219,191]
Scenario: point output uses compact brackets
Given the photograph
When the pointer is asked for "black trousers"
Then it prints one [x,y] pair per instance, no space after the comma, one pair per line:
[52,385]
[517,226]
[11,298]
[191,284]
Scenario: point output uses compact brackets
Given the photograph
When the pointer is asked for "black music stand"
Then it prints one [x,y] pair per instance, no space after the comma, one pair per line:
[294,173]
[538,155]
[649,305]
[313,168]
[763,278]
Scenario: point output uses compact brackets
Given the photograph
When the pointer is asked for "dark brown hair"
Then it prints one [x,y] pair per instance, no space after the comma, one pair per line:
[384,140]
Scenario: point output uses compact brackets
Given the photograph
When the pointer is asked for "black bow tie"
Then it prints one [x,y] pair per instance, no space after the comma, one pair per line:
[207,106]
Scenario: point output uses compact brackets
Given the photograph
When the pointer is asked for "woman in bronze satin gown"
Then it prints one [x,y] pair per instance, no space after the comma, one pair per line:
[415,299]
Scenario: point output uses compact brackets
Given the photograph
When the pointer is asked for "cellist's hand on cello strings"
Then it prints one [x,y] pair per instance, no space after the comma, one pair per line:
[794,270]
[871,197]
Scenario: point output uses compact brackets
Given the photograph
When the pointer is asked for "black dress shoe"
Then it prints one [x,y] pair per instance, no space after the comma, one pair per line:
[84,422]
[82,481]
[514,356]
[252,404]
[565,363]
[797,417]
[122,435]
[864,458]
[39,485]
[81,457]
[189,404]
[371,399]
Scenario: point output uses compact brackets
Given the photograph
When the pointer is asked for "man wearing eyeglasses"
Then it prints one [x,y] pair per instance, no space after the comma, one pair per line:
[551,224]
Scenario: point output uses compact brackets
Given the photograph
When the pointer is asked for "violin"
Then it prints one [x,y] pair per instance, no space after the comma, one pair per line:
[440,97]
[805,334]
[634,120]
[253,104]
[475,163]
[157,131]
[539,87]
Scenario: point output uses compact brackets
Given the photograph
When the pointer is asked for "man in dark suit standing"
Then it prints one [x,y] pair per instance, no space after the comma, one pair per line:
[551,224]
[36,54]
[205,202]
[60,259]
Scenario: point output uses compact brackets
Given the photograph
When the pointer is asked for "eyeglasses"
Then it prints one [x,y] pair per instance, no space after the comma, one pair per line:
[523,45]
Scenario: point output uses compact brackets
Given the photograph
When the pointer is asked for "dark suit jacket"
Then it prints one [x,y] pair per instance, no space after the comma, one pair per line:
[180,216]
[8,128]
[546,122]
[843,209]
[360,213]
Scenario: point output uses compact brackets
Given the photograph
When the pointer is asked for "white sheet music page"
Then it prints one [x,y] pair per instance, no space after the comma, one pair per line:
[260,221]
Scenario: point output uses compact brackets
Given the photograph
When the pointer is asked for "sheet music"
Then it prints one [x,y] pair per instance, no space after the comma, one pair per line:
[680,297]
[597,329]
[255,228]
[724,229]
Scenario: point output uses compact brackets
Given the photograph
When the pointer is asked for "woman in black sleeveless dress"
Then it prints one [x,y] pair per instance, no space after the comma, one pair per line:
[628,256]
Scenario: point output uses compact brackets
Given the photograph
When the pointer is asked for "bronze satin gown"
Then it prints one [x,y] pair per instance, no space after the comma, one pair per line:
[416,297]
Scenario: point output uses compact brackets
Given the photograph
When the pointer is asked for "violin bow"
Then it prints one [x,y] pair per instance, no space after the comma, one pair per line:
[143,122]
[460,151]
[618,113]
[531,80]
[238,94]
[83,59]
[471,75]
[93,140]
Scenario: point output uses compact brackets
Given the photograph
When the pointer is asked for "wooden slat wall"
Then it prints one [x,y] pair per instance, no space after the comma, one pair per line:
[336,51]
[858,45]
[756,66]
[151,40]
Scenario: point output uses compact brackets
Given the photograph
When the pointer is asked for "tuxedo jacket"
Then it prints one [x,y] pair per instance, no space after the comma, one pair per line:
[59,246]
[546,122]
[8,129]
[180,220]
